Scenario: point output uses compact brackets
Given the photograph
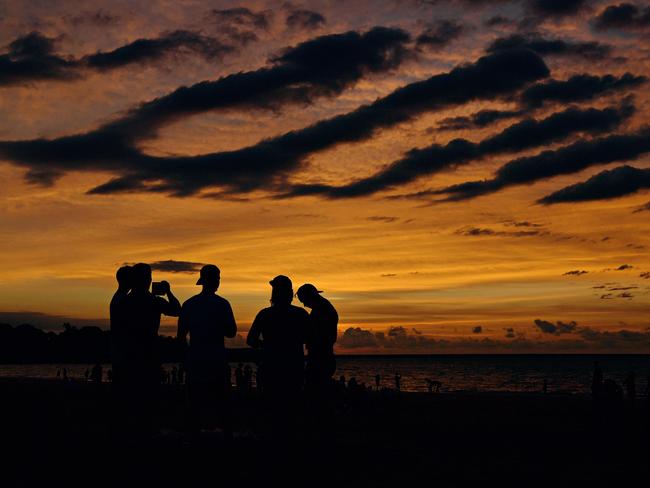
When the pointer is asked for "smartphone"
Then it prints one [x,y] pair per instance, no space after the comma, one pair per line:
[157,288]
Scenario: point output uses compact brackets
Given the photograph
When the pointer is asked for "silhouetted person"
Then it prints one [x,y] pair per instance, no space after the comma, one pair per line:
[139,339]
[259,380]
[207,318]
[248,377]
[433,385]
[239,376]
[377,381]
[96,374]
[597,381]
[181,374]
[630,387]
[228,377]
[398,381]
[647,402]
[321,362]
[280,332]
[119,328]
[545,387]
[162,376]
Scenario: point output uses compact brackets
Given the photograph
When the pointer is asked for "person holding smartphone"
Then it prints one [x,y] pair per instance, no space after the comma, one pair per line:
[142,311]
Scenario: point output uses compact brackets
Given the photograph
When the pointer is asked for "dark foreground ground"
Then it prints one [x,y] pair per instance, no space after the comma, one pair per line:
[57,434]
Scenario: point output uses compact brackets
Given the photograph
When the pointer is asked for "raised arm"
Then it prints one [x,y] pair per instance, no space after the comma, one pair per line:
[171,306]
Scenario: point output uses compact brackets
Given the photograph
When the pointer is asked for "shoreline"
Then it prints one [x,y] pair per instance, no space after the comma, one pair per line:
[76,383]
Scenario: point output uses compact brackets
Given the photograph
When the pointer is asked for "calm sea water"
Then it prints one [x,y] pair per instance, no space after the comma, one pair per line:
[563,373]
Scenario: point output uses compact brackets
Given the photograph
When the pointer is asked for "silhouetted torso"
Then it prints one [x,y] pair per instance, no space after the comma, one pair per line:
[284,331]
[118,318]
[208,318]
[142,323]
[323,330]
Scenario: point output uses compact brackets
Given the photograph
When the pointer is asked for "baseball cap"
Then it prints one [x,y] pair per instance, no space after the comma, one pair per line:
[209,274]
[281,281]
[308,289]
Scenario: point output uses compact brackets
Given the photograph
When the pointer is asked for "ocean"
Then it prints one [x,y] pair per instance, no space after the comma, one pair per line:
[467,373]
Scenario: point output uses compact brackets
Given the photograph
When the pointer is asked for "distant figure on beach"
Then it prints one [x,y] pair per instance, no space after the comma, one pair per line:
[280,331]
[138,322]
[259,378]
[248,377]
[228,377]
[545,387]
[97,374]
[398,381]
[377,381]
[433,385]
[180,372]
[208,319]
[239,376]
[321,362]
[597,381]
[630,387]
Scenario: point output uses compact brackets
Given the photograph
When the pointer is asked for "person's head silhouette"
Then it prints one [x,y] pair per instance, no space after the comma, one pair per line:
[210,278]
[282,292]
[141,277]
[308,294]
[124,278]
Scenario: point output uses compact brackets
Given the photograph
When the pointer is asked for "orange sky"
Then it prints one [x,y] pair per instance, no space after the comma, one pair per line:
[438,270]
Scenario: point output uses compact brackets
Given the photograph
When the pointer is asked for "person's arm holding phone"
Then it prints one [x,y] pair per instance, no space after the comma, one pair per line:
[171,306]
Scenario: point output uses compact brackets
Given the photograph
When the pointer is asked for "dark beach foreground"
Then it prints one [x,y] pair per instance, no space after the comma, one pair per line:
[58,434]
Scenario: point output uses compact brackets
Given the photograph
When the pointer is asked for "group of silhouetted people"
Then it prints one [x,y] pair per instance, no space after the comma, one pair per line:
[609,395]
[280,332]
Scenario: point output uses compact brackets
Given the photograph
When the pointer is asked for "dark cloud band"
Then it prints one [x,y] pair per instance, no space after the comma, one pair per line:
[578,88]
[32,57]
[618,182]
[435,158]
[262,165]
[566,160]
[624,16]
[590,50]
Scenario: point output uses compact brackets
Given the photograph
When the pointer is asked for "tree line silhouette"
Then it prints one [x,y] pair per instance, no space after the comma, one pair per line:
[25,344]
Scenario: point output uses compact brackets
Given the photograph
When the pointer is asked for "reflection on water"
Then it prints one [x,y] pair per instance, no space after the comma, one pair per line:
[566,374]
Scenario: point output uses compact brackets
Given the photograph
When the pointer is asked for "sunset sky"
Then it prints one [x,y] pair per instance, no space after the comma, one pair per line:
[457,176]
